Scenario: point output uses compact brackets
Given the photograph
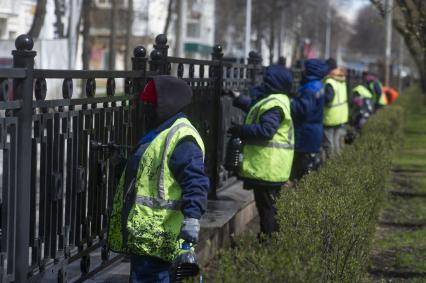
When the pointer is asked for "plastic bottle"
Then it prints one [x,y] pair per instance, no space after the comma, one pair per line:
[234,154]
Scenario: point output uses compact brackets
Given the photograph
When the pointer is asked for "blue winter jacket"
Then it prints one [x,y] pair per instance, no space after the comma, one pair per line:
[307,110]
[329,94]
[187,166]
[276,79]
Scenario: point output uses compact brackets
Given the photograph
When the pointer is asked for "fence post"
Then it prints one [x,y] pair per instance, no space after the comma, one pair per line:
[217,73]
[23,57]
[159,56]
[139,61]
[255,60]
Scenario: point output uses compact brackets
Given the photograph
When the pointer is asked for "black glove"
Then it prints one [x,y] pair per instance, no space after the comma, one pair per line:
[232,94]
[235,130]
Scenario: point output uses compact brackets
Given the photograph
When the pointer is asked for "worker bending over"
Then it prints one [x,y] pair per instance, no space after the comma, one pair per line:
[163,192]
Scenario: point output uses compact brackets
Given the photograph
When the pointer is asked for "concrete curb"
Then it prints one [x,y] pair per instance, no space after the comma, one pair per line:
[225,217]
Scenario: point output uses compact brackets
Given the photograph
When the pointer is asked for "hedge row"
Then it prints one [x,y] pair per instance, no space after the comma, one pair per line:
[327,221]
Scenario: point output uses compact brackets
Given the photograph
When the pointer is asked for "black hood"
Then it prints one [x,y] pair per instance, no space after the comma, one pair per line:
[173,95]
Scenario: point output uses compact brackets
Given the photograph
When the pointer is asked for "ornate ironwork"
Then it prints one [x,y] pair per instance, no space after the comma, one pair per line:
[55,164]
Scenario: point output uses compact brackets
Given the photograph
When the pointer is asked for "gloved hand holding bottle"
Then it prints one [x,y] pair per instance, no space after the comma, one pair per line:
[190,230]
[235,130]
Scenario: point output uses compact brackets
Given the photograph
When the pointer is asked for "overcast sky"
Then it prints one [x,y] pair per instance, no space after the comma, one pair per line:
[350,8]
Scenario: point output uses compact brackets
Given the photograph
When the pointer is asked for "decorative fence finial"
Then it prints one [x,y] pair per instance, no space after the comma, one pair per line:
[24,42]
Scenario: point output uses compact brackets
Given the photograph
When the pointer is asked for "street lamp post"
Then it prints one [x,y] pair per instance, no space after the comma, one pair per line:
[388,50]
[248,28]
[328,33]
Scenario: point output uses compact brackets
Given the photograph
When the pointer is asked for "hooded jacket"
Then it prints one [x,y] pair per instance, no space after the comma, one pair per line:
[339,75]
[277,79]
[307,110]
[186,162]
[368,79]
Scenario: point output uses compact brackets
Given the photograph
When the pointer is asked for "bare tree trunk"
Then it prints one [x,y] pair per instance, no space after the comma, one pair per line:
[169,16]
[413,32]
[38,20]
[297,38]
[280,34]
[178,50]
[259,37]
[113,35]
[257,23]
[271,39]
[87,45]
[129,34]
[59,25]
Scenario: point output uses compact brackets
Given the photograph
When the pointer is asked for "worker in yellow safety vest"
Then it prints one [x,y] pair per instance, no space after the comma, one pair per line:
[336,109]
[162,193]
[268,141]
[376,89]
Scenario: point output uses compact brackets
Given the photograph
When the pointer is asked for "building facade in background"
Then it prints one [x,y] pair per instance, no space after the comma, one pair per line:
[198,28]
[15,17]
[190,33]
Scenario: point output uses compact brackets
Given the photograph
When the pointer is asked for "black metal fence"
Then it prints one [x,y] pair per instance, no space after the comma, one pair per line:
[57,185]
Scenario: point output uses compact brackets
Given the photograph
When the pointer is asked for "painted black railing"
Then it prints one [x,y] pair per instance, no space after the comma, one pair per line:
[60,157]
[58,177]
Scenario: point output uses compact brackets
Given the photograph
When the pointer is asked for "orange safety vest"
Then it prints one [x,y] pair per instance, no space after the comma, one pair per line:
[390,93]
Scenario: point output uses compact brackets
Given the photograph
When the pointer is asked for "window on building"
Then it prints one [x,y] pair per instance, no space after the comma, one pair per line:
[108,3]
[3,27]
[193,30]
[194,9]
[6,5]
[12,34]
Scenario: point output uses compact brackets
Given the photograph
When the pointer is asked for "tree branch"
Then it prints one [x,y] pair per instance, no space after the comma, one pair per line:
[169,16]
[38,20]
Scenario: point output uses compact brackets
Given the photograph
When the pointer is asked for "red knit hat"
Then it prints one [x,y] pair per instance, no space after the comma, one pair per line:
[149,93]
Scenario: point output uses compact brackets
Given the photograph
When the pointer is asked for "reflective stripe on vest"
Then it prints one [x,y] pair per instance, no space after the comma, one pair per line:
[270,144]
[164,158]
[155,218]
[255,117]
[337,112]
[160,202]
[271,160]
[379,98]
[363,91]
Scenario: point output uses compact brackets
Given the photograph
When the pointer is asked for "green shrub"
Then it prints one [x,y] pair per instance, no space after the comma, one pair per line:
[327,221]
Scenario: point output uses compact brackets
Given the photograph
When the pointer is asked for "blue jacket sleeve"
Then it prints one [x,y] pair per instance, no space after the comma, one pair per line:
[377,88]
[268,125]
[243,102]
[187,167]
[329,94]
[302,105]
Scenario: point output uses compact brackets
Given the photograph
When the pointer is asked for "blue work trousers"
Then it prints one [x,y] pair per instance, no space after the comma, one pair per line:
[147,269]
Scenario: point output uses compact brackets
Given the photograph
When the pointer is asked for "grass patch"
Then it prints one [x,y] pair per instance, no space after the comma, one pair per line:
[397,250]
[405,210]
[401,239]
[412,156]
[401,250]
[410,161]
[409,182]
